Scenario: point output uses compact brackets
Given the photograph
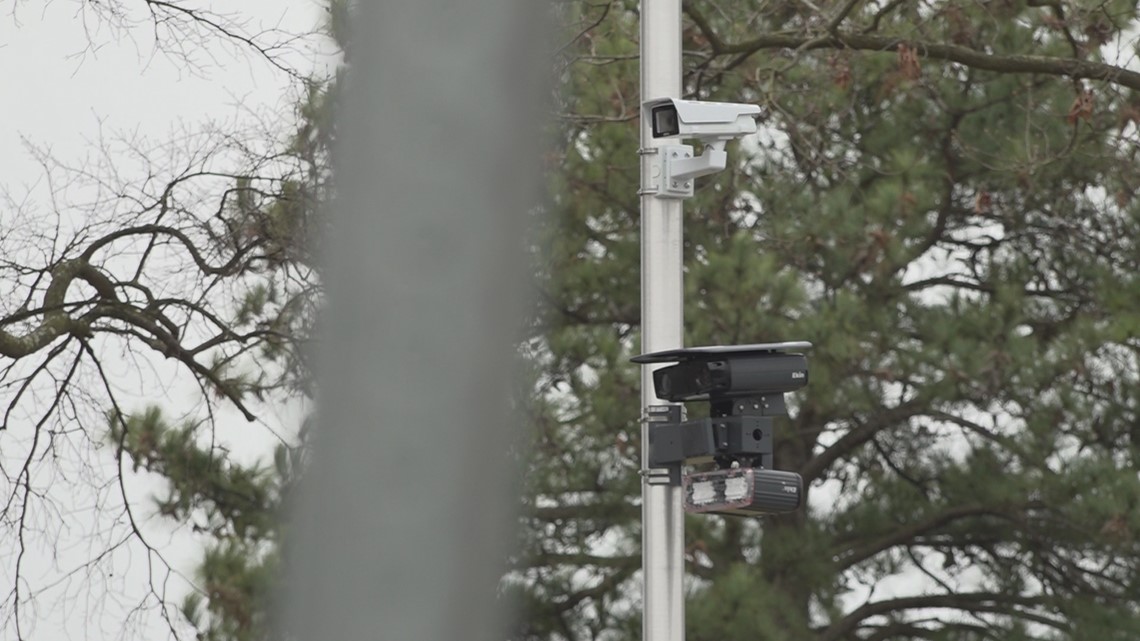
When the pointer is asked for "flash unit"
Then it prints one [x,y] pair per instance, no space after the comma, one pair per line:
[743,492]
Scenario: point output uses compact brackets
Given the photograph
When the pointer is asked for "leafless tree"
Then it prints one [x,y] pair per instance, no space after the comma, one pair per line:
[171,272]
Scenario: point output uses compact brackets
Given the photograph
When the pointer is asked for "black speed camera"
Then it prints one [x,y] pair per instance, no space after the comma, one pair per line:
[745,386]
[721,372]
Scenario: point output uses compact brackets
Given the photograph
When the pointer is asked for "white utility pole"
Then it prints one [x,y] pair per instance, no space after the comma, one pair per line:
[662,515]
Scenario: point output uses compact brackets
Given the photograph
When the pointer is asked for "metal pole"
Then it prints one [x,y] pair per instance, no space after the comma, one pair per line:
[663,525]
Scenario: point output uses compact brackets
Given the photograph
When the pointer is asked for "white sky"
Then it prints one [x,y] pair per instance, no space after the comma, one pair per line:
[68,77]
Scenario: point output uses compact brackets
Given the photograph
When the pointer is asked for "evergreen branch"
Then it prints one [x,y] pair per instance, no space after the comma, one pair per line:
[977,428]
[552,559]
[905,630]
[857,554]
[569,512]
[882,13]
[601,18]
[1000,63]
[860,436]
[833,24]
[920,565]
[609,582]
[715,43]
[947,281]
[989,602]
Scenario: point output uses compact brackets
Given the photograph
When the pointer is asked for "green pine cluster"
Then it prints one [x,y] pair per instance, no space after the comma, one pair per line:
[235,508]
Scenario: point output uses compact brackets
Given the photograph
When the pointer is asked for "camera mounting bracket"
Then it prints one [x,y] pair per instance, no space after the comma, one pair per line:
[679,167]
[742,435]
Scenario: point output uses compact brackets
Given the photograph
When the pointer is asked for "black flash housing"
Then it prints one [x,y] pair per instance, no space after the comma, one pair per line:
[743,492]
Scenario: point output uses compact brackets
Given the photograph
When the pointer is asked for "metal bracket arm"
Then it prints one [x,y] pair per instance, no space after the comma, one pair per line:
[745,439]
[679,167]
[711,161]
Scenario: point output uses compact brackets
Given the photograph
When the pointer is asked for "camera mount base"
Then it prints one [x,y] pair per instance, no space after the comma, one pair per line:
[734,436]
[679,168]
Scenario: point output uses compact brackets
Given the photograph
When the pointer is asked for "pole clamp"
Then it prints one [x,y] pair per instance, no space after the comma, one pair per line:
[661,417]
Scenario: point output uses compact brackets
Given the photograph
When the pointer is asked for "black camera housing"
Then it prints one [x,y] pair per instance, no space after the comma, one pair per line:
[744,385]
[738,375]
[719,372]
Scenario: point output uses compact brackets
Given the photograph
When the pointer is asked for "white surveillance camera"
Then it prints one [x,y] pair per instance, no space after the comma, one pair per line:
[713,123]
[705,121]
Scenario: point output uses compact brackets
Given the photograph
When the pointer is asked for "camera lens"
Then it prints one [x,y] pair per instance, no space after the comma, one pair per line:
[665,121]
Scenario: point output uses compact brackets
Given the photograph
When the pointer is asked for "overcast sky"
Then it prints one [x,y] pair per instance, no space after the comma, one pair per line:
[69,78]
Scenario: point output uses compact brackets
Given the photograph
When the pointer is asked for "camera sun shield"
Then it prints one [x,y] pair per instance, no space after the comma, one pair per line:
[706,121]
[740,375]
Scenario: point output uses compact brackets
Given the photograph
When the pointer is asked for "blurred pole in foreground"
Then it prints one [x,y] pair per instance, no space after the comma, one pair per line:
[406,512]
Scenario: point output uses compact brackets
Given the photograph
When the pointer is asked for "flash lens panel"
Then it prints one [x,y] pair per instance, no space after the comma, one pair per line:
[736,488]
[702,492]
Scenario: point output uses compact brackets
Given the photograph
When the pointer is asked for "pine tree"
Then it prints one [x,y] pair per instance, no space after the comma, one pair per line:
[941,200]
